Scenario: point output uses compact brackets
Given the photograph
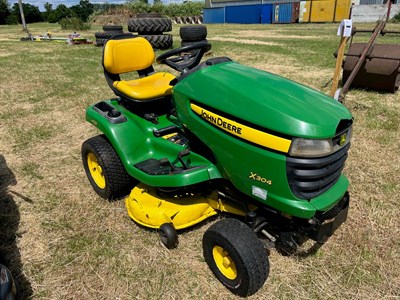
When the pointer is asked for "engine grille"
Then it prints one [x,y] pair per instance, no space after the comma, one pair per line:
[310,177]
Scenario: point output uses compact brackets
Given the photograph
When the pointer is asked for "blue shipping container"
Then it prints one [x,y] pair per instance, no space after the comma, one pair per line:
[282,13]
[214,15]
[266,14]
[243,14]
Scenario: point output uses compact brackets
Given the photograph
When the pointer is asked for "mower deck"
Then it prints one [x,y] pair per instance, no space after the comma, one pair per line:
[148,207]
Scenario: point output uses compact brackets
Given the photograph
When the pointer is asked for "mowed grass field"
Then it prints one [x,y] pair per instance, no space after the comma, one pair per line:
[63,242]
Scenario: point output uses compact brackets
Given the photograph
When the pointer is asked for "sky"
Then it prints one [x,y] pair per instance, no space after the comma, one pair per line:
[40,3]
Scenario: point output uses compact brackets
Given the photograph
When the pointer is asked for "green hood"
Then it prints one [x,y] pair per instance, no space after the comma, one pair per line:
[264,99]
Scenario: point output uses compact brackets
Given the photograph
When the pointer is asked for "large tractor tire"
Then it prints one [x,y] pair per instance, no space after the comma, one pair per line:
[149,26]
[193,33]
[236,256]
[104,169]
[161,41]
[149,15]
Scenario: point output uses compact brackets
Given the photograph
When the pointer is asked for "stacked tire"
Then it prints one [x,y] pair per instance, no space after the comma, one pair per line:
[109,31]
[191,34]
[152,27]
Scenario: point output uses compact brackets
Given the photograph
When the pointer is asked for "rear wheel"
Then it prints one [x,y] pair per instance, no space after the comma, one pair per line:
[236,256]
[104,169]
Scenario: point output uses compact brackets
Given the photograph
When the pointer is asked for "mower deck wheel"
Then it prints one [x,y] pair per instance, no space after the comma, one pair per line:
[104,169]
[168,235]
[236,256]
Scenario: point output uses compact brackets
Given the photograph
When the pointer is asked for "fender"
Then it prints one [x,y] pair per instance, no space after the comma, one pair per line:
[133,139]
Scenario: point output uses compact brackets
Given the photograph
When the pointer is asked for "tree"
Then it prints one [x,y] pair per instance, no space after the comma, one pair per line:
[83,10]
[31,12]
[48,7]
[59,13]
[48,10]
[4,11]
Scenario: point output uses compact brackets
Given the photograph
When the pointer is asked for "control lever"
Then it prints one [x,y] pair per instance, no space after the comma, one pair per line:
[165,161]
[182,154]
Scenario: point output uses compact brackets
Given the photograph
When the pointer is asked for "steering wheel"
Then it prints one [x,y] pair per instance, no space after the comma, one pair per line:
[187,57]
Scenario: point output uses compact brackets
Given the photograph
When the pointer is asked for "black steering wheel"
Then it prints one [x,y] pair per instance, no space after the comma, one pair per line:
[187,57]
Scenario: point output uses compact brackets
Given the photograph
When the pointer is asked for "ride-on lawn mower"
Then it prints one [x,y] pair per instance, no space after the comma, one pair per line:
[220,137]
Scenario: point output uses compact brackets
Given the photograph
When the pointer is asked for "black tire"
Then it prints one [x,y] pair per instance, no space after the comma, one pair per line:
[149,15]
[107,34]
[236,256]
[113,28]
[117,182]
[149,25]
[161,41]
[192,33]
[184,43]
[100,42]
[168,236]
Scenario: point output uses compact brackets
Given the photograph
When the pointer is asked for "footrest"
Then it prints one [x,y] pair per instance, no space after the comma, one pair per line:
[154,166]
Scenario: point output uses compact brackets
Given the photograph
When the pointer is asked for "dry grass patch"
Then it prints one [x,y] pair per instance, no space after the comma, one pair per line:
[69,244]
[276,34]
[242,41]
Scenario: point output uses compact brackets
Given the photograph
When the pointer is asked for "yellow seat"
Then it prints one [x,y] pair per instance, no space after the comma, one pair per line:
[122,56]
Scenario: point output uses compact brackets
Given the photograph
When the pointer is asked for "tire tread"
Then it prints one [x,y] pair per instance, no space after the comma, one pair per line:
[149,25]
[118,181]
[193,33]
[248,247]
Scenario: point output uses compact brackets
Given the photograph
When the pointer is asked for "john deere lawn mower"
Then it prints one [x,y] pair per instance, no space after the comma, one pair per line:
[262,151]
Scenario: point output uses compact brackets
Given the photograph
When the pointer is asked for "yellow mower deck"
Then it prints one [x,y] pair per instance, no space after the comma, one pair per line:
[146,207]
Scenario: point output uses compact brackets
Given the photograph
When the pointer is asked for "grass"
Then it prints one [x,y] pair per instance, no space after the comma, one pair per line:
[64,242]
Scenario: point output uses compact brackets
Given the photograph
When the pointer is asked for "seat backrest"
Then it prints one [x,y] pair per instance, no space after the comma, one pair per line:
[127,55]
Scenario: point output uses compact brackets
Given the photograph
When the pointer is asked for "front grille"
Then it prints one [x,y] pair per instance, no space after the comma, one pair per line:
[310,177]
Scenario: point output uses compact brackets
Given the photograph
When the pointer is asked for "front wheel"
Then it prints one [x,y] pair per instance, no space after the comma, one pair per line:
[236,256]
[104,169]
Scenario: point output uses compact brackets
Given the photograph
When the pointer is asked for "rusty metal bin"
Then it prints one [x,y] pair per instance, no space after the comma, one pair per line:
[381,69]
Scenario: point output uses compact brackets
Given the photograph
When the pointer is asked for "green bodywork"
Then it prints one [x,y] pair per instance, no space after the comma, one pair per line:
[135,142]
[258,98]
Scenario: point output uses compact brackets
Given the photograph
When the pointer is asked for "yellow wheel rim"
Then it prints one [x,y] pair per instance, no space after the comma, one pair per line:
[224,262]
[96,170]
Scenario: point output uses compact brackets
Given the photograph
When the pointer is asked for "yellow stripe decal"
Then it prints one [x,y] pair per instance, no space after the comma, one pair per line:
[247,133]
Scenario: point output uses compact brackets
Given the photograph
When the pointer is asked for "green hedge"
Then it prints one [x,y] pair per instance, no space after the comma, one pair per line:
[170,10]
[73,24]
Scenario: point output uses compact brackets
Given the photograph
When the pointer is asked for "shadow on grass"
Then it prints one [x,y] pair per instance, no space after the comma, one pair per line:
[9,222]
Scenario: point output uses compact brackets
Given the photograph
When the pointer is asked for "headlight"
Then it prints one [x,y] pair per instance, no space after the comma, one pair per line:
[310,148]
[301,147]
